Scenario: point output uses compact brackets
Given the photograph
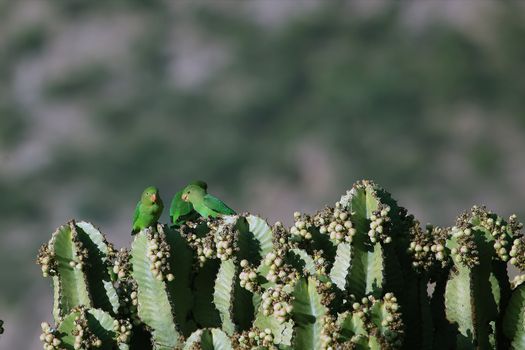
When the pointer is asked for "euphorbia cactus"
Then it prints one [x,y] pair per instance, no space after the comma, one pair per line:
[351,276]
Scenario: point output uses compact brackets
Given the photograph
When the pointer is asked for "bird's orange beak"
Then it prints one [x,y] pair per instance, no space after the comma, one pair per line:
[184,197]
[153,197]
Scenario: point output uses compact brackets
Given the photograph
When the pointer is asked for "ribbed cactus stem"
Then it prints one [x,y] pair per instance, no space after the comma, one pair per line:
[514,319]
[308,314]
[79,260]
[99,259]
[63,259]
[477,289]
[154,307]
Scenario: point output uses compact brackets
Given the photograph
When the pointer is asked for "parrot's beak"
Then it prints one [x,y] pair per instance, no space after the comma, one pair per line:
[184,197]
[153,197]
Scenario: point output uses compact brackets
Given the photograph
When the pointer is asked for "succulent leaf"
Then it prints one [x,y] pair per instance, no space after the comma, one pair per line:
[71,279]
[339,271]
[475,291]
[262,232]
[366,269]
[223,294]
[154,307]
[308,315]
[99,273]
[514,319]
[179,288]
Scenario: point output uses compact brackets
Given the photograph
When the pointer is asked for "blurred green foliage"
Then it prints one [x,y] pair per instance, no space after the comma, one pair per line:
[28,40]
[13,124]
[83,82]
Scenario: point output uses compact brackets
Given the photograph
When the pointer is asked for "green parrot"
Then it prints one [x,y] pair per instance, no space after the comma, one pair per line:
[205,204]
[182,211]
[148,210]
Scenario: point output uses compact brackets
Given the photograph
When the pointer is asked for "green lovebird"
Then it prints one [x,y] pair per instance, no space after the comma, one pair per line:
[148,209]
[182,211]
[205,204]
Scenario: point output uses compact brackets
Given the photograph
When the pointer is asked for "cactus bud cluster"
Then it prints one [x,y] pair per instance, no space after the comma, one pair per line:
[46,260]
[123,330]
[79,261]
[326,289]
[466,251]
[514,224]
[248,277]
[224,238]
[275,301]
[128,301]
[158,252]
[84,337]
[336,223]
[499,230]
[427,247]
[301,226]
[517,253]
[49,337]
[203,245]
[505,235]
[280,236]
[380,318]
[122,266]
[320,262]
[279,271]
[219,242]
[254,338]
[392,322]
[438,247]
[126,287]
[379,225]
[329,333]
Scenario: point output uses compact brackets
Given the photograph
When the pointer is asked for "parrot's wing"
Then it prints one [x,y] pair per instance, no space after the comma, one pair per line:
[179,207]
[136,215]
[217,205]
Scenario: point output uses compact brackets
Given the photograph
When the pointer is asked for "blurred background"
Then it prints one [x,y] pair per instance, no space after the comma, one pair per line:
[279,105]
